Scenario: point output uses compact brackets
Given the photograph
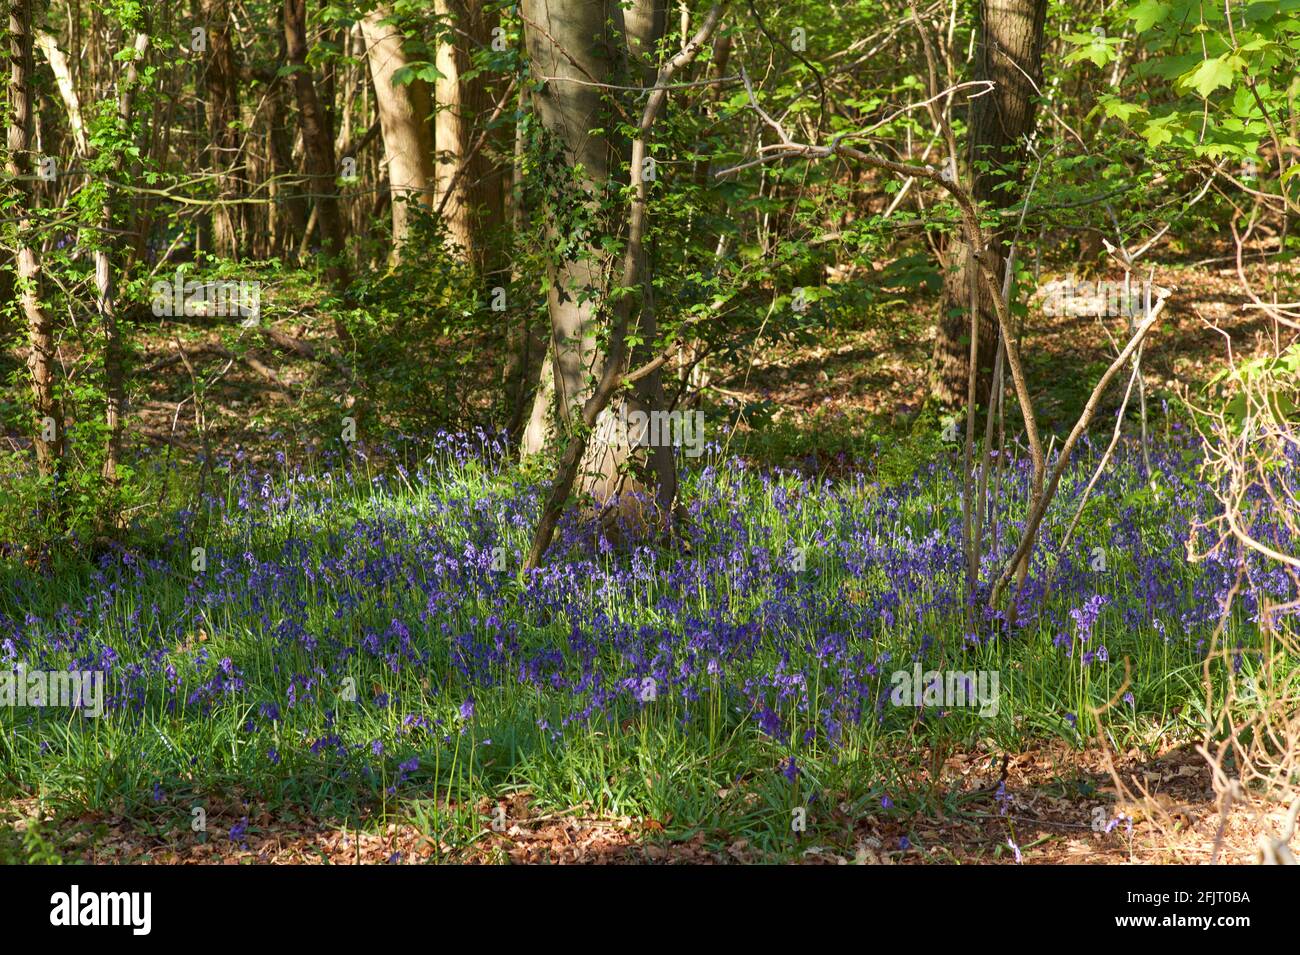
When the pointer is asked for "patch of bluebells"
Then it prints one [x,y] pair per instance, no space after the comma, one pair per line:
[403,592]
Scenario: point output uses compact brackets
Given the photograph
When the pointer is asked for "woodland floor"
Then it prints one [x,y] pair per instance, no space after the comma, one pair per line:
[876,372]
[1173,819]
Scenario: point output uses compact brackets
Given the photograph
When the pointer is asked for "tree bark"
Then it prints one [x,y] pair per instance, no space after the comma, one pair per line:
[318,150]
[475,210]
[1009,55]
[40,326]
[404,115]
[221,78]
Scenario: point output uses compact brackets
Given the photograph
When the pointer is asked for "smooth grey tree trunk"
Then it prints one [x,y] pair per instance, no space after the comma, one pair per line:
[575,45]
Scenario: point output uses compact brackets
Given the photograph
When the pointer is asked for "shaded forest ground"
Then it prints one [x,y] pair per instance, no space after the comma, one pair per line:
[825,395]
[1054,786]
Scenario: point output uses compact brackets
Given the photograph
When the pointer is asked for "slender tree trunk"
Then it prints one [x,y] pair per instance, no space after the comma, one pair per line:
[475,210]
[586,42]
[646,24]
[624,307]
[519,368]
[405,110]
[318,151]
[568,107]
[229,235]
[40,326]
[1009,54]
[105,284]
[288,215]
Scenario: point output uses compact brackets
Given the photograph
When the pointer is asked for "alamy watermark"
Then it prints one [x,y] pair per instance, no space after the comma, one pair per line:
[946,688]
[69,689]
[1075,297]
[176,297]
[656,429]
[88,907]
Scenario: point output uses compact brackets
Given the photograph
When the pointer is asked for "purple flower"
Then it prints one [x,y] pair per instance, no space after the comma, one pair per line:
[1003,797]
[769,723]
[1086,616]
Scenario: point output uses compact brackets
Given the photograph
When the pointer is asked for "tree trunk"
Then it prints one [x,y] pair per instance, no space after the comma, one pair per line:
[475,210]
[105,285]
[592,439]
[646,24]
[539,430]
[229,233]
[523,347]
[567,110]
[288,215]
[1010,53]
[40,326]
[318,150]
[582,41]
[404,116]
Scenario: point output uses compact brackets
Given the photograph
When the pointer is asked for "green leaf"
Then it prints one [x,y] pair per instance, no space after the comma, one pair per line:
[1147,14]
[1211,75]
[1160,130]
[1100,50]
[1116,108]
